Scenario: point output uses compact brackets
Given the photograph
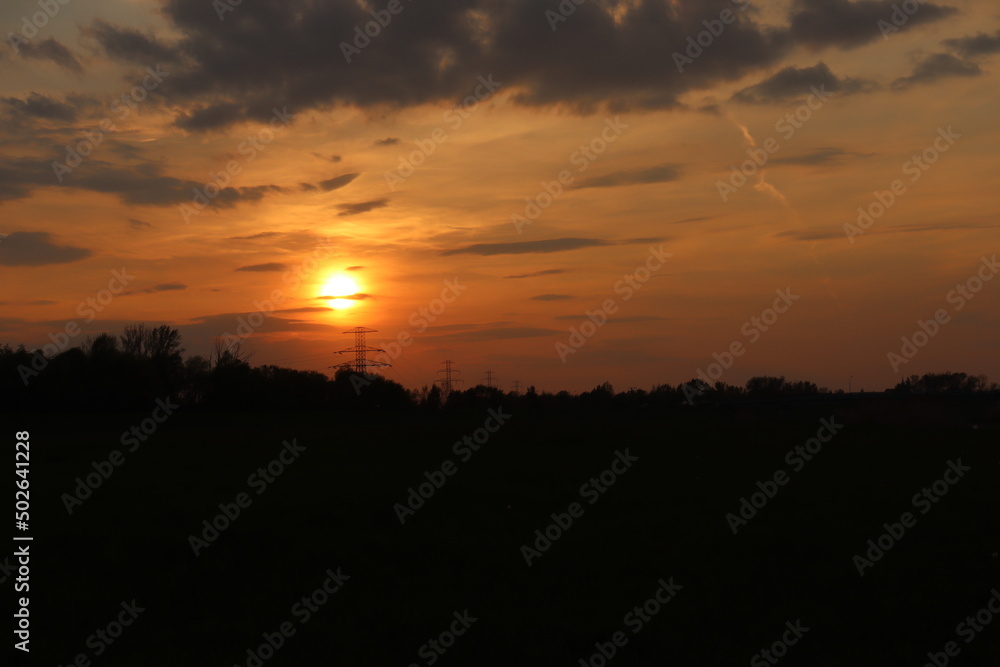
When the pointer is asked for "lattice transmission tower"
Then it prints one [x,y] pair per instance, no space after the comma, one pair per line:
[361,349]
[448,381]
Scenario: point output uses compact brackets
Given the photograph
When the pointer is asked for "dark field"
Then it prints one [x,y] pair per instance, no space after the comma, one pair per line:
[663,518]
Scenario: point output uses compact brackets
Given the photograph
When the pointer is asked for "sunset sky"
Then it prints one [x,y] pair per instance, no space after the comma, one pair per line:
[311,132]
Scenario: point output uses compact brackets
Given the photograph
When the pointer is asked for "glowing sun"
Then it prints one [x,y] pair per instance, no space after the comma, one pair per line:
[339,289]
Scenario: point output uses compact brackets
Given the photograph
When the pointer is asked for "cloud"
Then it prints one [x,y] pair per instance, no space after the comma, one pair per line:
[937,66]
[545,272]
[523,247]
[37,249]
[164,287]
[36,105]
[337,182]
[497,333]
[362,207]
[360,296]
[794,83]
[270,266]
[979,44]
[144,185]
[130,45]
[354,268]
[819,156]
[50,49]
[261,235]
[388,141]
[811,234]
[658,174]
[618,57]
[140,224]
[849,24]
[614,320]
[331,158]
[42,302]
[551,297]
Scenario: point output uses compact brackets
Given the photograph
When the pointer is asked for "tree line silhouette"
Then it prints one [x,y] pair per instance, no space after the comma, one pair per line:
[127,373]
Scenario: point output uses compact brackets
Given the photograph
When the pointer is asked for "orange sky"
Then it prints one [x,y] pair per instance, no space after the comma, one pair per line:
[654,183]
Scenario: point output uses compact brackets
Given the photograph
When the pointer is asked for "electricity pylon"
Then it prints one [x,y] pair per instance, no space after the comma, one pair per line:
[361,361]
[446,384]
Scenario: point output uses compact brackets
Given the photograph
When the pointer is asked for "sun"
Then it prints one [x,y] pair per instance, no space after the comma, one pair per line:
[338,288]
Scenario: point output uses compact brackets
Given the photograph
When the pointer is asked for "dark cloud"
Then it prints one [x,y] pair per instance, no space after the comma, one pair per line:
[794,83]
[144,184]
[165,287]
[546,272]
[308,187]
[614,320]
[362,207]
[437,52]
[42,302]
[140,224]
[972,46]
[354,268]
[37,249]
[551,297]
[337,182]
[270,266]
[522,247]
[50,49]
[811,234]
[659,174]
[935,67]
[498,333]
[852,23]
[819,156]
[36,105]
[698,219]
[261,235]
[131,45]
[331,158]
[388,141]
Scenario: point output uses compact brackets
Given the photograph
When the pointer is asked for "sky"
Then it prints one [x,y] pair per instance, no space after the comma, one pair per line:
[561,194]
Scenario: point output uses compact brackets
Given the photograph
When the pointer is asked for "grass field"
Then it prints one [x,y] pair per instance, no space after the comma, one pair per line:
[663,517]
